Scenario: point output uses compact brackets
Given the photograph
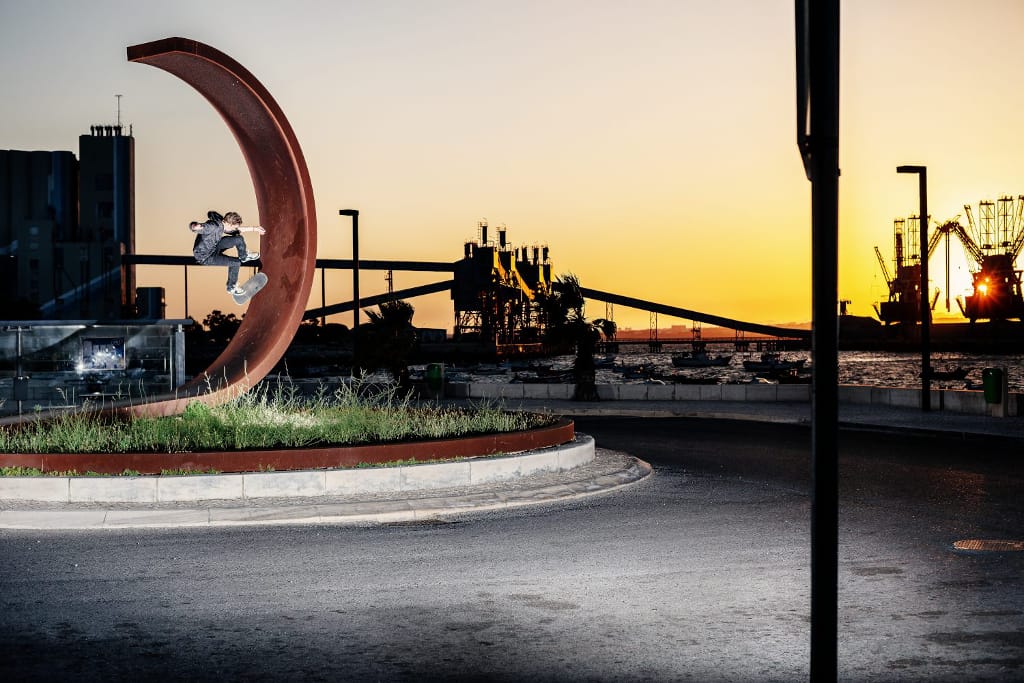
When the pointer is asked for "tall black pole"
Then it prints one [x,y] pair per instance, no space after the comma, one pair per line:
[354,214]
[926,328]
[817,42]
[947,272]
[19,378]
[926,309]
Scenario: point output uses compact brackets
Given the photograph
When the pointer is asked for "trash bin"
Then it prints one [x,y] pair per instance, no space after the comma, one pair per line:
[435,380]
[992,381]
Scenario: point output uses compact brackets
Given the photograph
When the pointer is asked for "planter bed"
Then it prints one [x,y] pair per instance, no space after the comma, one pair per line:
[295,458]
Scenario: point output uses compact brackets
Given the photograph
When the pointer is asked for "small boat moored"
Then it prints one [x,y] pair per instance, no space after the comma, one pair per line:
[771,362]
[699,359]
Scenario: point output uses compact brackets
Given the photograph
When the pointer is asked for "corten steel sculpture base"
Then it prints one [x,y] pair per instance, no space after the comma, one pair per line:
[284,197]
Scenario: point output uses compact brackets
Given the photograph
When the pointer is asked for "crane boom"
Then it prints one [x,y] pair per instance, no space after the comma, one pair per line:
[970,246]
[1017,245]
[970,221]
[936,237]
[885,270]
[1018,239]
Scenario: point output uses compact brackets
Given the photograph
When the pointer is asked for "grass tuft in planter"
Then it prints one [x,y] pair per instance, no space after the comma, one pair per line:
[269,417]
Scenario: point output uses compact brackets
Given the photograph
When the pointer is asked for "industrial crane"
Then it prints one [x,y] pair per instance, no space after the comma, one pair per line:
[993,242]
[904,302]
[998,237]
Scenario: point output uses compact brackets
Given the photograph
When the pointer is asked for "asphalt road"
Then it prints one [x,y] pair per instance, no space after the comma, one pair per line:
[699,573]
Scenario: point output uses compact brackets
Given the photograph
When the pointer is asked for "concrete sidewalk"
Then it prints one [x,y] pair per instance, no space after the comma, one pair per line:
[607,471]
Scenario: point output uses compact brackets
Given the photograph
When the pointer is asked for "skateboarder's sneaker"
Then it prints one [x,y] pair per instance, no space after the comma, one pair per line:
[251,256]
[236,291]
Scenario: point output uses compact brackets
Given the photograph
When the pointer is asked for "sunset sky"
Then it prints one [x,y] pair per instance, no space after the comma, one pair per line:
[650,144]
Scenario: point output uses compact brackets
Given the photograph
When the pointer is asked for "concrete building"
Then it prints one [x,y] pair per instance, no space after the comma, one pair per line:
[64,225]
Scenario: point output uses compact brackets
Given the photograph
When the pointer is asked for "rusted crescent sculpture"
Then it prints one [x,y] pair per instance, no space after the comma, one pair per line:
[284,197]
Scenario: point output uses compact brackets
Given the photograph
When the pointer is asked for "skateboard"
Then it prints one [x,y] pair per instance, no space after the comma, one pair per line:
[251,286]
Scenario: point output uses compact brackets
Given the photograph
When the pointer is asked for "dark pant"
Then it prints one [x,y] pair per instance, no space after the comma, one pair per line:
[219,258]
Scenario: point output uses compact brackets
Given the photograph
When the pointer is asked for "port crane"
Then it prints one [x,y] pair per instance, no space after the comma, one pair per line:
[992,242]
[904,301]
[995,241]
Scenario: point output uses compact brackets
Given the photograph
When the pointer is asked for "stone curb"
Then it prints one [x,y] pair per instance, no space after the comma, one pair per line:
[351,513]
[300,484]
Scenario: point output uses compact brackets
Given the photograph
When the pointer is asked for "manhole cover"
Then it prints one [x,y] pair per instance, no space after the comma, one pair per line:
[990,546]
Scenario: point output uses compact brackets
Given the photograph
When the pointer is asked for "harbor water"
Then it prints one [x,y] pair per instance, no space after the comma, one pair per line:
[866,368]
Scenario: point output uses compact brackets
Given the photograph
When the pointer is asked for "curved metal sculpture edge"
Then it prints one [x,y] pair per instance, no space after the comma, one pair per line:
[284,197]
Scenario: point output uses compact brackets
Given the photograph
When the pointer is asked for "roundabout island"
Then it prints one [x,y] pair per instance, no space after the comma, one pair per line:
[405,493]
[521,464]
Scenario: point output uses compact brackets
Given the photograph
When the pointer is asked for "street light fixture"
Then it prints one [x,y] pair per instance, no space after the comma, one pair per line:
[926,365]
[354,215]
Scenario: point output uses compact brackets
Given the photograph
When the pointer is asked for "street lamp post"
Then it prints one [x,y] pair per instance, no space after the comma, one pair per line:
[354,215]
[323,297]
[926,365]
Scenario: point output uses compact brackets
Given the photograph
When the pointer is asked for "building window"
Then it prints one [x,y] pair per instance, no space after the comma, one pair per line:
[104,182]
[104,209]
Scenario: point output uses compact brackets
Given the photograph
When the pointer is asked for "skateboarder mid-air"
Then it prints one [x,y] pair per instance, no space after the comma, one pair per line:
[217,235]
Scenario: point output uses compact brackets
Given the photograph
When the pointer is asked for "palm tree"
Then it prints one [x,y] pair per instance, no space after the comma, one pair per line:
[388,339]
[566,324]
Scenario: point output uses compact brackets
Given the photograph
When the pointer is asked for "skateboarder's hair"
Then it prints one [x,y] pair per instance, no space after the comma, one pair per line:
[232,218]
